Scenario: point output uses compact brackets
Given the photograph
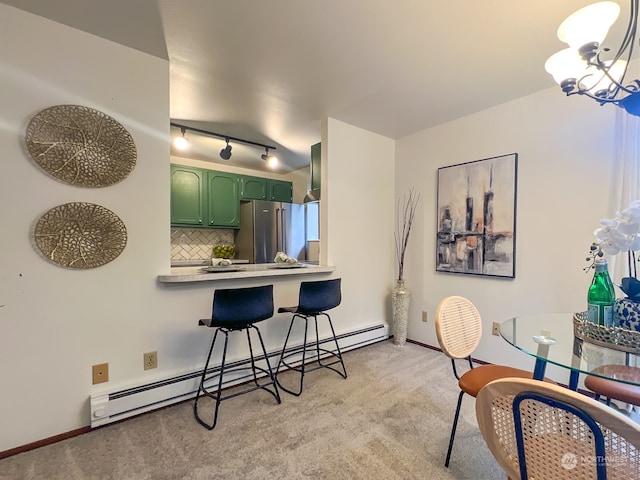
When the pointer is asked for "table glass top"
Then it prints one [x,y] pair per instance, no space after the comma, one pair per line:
[550,337]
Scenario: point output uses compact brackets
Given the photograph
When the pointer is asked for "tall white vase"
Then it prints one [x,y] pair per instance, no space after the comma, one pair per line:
[400,297]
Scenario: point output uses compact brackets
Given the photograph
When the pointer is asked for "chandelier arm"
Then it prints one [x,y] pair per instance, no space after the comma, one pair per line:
[630,34]
[600,100]
[600,65]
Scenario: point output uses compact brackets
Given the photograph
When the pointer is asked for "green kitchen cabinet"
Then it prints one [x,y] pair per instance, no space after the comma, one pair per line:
[211,199]
[223,199]
[187,196]
[253,188]
[280,191]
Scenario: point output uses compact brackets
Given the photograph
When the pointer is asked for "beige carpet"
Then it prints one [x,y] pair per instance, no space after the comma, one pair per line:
[390,419]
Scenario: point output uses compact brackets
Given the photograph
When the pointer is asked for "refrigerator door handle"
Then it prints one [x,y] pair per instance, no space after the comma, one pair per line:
[278,230]
[283,230]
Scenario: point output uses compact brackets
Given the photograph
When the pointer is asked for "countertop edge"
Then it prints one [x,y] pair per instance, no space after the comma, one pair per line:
[250,271]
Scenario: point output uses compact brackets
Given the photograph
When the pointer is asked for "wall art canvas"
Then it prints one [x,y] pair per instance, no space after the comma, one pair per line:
[477,217]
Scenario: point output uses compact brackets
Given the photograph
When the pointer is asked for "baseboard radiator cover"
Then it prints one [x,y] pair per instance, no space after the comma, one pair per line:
[109,407]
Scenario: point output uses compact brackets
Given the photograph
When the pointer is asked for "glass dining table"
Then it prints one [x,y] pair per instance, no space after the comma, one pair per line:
[550,339]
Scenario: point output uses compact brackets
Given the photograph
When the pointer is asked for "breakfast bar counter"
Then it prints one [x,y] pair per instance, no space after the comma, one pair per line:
[240,271]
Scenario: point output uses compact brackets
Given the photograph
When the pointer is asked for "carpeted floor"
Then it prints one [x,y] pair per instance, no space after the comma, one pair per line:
[390,419]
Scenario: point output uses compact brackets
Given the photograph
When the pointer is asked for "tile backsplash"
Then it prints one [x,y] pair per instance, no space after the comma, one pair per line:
[196,243]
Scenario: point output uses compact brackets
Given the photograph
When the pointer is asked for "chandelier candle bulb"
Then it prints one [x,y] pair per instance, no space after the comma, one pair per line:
[601,295]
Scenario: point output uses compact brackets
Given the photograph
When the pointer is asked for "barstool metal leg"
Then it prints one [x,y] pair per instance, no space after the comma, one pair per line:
[272,377]
[216,396]
[284,355]
[337,353]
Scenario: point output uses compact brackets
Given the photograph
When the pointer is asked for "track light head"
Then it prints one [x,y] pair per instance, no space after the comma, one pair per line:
[272,162]
[181,143]
[225,153]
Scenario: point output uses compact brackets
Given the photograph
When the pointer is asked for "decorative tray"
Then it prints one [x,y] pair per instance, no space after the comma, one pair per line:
[224,268]
[289,265]
[610,337]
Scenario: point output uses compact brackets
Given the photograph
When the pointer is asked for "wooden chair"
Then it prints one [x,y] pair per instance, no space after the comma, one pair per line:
[459,329]
[538,430]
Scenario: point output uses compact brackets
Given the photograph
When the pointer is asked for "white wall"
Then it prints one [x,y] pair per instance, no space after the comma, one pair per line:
[357,214]
[54,322]
[565,148]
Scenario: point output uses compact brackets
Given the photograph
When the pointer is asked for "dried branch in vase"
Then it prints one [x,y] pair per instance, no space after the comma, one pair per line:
[406,209]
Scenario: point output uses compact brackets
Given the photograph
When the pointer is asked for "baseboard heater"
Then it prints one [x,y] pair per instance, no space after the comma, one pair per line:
[111,407]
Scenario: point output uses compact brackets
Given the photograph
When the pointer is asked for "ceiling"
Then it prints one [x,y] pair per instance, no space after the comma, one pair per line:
[270,70]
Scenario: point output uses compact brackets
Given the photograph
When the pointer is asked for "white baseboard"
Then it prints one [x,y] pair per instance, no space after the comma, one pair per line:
[108,407]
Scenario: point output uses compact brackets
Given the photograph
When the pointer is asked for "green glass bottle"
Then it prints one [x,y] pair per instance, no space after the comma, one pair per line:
[601,296]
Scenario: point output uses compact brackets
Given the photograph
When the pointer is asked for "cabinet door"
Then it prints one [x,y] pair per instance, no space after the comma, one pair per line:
[280,191]
[223,199]
[187,196]
[253,188]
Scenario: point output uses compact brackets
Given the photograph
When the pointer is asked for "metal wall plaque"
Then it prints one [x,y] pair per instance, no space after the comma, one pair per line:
[81,146]
[80,235]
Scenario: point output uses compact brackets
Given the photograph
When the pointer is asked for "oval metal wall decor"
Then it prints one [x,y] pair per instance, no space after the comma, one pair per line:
[80,235]
[81,146]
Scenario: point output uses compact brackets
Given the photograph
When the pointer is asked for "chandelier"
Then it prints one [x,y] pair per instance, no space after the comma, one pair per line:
[587,67]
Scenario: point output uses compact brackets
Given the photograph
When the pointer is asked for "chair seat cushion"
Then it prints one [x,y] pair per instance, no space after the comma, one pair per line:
[476,378]
[613,389]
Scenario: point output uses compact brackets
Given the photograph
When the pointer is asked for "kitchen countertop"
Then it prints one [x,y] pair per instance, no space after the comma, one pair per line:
[196,274]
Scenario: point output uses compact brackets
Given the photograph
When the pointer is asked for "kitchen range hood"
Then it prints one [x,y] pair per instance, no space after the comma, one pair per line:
[313,194]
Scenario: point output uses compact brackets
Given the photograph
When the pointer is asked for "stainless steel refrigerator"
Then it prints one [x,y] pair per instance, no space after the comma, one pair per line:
[270,227]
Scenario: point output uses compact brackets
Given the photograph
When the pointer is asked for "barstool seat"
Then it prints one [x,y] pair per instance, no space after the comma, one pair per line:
[236,309]
[314,299]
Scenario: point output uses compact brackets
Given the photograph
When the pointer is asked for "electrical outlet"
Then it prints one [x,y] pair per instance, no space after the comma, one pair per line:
[424,316]
[150,360]
[100,373]
[496,328]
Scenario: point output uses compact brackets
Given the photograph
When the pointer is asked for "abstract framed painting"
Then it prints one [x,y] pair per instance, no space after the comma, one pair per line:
[476,215]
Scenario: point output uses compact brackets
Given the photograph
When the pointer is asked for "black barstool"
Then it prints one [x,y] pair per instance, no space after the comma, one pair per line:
[237,309]
[315,298]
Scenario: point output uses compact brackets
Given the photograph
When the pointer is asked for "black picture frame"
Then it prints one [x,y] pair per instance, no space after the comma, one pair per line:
[476,217]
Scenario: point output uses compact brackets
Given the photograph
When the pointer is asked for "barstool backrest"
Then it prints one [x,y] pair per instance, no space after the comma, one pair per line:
[316,297]
[236,307]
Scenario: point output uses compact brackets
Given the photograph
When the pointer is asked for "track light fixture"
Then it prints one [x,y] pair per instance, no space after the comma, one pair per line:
[272,162]
[581,69]
[181,143]
[225,153]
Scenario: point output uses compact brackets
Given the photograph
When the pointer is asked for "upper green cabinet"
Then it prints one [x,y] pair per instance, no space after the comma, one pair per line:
[280,191]
[258,188]
[209,198]
[187,195]
[223,203]
[204,198]
[253,188]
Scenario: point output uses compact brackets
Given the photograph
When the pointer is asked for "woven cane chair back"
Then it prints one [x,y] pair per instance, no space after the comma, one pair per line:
[458,326]
[558,432]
